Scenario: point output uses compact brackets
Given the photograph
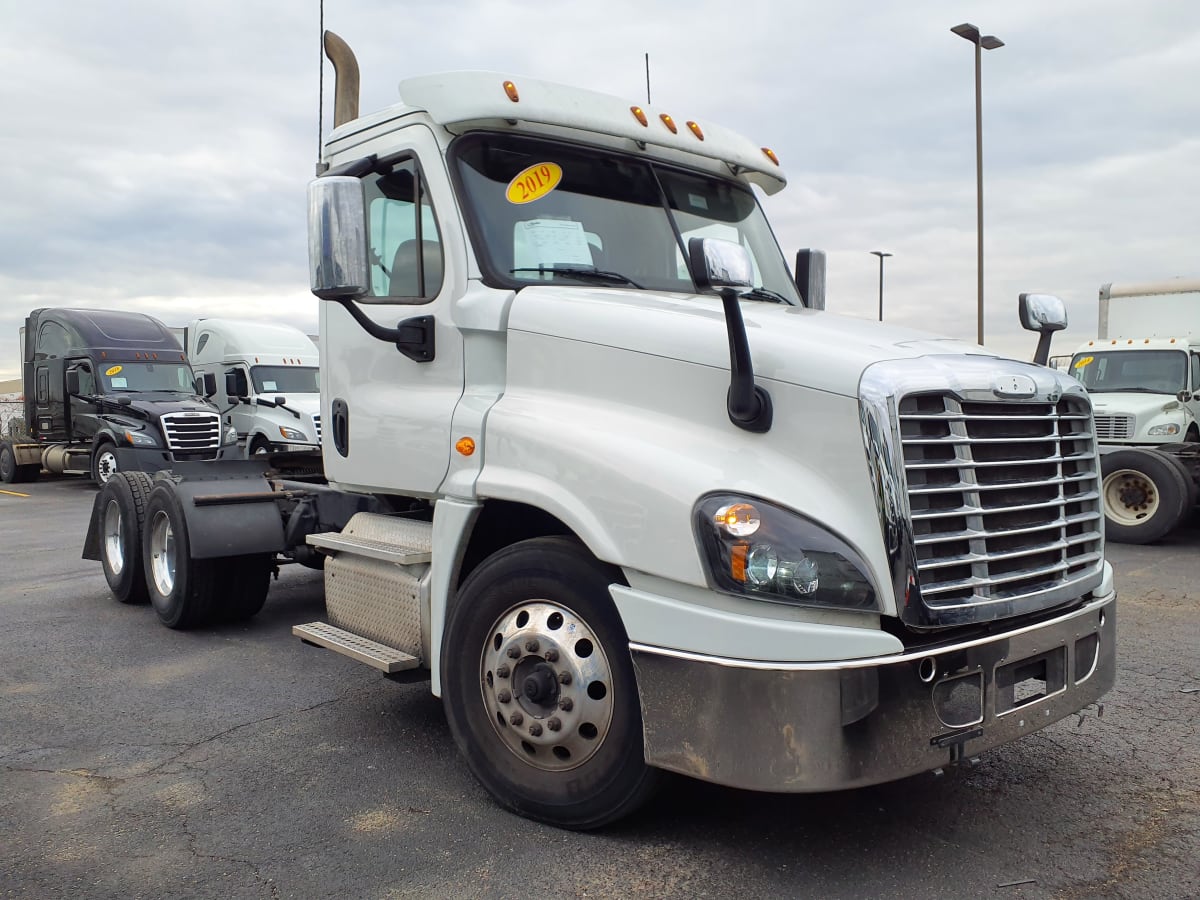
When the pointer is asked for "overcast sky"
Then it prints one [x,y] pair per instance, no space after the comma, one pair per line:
[156,153]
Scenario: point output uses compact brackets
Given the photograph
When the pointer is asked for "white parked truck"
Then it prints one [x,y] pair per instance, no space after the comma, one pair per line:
[596,469]
[268,381]
[1143,375]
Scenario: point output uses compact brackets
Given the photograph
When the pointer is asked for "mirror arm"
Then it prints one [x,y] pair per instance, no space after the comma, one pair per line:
[748,405]
[413,337]
[1041,356]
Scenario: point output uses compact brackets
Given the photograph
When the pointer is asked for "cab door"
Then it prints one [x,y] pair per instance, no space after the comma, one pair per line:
[388,413]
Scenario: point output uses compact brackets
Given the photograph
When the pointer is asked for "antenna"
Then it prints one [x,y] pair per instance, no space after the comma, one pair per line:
[320,84]
[647,77]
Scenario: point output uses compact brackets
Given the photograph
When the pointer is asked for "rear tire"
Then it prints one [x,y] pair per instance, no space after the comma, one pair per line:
[183,590]
[539,689]
[245,581]
[122,506]
[10,472]
[1145,495]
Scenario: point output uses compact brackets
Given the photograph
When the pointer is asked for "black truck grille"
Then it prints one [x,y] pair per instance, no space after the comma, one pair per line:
[1004,497]
[193,435]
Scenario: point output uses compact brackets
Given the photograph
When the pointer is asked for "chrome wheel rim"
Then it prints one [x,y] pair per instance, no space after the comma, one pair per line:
[547,685]
[114,544]
[106,466]
[162,553]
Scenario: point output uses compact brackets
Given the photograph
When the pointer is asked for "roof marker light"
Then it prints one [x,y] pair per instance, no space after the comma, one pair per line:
[669,122]
[771,155]
[511,90]
[696,130]
[640,116]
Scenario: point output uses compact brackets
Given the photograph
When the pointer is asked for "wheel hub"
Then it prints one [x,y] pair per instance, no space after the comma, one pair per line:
[547,685]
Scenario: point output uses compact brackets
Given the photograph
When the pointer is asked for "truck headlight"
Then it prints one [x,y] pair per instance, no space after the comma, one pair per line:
[756,549]
[141,438]
[230,435]
[291,434]
[1169,428]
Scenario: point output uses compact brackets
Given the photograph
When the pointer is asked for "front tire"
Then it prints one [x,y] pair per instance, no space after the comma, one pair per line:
[122,507]
[539,688]
[1145,495]
[183,590]
[104,462]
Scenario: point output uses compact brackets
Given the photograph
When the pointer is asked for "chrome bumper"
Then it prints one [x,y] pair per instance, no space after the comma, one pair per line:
[798,727]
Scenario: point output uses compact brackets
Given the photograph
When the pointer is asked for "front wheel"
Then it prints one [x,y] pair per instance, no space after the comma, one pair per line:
[1145,495]
[539,689]
[104,463]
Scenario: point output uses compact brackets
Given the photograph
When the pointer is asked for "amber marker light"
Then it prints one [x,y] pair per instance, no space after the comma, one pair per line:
[770,154]
[737,561]
[696,130]
[669,122]
[465,446]
[511,90]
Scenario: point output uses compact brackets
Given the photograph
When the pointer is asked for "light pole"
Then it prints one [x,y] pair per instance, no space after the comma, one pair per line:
[981,42]
[881,254]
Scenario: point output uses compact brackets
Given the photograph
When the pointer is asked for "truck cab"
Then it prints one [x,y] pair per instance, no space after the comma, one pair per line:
[268,381]
[106,391]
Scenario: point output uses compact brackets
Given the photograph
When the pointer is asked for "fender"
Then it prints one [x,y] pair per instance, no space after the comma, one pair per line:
[212,531]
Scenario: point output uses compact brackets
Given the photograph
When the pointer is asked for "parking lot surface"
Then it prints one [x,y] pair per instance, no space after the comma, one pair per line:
[233,762]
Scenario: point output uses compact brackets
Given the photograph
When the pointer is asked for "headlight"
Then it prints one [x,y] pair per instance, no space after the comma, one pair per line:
[291,434]
[230,435]
[1170,428]
[759,550]
[141,438]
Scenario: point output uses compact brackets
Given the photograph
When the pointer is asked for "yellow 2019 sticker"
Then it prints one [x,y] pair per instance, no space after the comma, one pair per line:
[1085,361]
[534,183]
[113,370]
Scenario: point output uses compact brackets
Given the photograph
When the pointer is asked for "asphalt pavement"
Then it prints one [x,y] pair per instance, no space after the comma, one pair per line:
[233,762]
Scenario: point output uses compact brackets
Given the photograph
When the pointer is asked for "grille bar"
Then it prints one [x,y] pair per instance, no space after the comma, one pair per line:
[192,431]
[1012,532]
[1023,576]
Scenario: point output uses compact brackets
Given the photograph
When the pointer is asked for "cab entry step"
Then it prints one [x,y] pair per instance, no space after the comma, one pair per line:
[382,657]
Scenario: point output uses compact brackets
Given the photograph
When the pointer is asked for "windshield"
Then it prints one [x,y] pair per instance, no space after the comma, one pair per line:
[285,379]
[138,376]
[1143,371]
[543,211]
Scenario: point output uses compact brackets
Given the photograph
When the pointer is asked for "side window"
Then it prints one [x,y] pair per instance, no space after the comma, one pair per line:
[53,340]
[406,247]
[1195,372]
[203,340]
[87,381]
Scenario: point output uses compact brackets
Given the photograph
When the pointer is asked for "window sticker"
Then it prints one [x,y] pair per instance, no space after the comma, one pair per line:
[534,183]
[1085,361]
[120,382]
[269,386]
[112,370]
[551,242]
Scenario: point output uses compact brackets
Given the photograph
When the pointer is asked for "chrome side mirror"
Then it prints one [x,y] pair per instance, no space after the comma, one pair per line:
[1045,314]
[337,238]
[719,264]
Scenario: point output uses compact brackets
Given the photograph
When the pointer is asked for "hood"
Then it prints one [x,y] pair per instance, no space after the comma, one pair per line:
[790,344]
[1132,403]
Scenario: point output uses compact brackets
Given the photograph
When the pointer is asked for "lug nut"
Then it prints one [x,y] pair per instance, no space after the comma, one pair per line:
[551,655]
[514,652]
[535,730]
[504,696]
[553,724]
[566,704]
[564,677]
[531,645]
[503,671]
[516,719]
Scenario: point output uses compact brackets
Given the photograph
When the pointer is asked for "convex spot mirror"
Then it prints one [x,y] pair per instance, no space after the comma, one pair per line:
[337,238]
[719,264]
[1042,313]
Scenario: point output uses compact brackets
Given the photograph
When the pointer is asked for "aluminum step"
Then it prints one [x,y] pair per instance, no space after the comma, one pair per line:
[405,542]
[360,546]
[380,656]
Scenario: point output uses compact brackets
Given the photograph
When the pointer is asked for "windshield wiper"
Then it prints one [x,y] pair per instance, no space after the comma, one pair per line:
[581,272]
[765,294]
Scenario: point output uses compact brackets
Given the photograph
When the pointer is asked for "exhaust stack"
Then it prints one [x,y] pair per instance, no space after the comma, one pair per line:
[345,85]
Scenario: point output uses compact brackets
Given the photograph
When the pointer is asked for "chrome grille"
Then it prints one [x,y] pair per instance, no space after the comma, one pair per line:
[317,426]
[1114,428]
[189,432]
[1004,498]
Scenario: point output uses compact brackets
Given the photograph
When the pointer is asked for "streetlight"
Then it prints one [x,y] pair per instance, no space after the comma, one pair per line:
[881,254]
[981,42]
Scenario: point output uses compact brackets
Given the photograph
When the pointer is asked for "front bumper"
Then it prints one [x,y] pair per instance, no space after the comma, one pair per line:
[799,727]
[153,459]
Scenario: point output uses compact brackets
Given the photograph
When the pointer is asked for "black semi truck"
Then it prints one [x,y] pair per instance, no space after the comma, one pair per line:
[109,391]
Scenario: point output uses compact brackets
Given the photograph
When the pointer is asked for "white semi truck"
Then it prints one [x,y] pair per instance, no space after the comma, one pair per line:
[599,468]
[1143,375]
[268,378]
